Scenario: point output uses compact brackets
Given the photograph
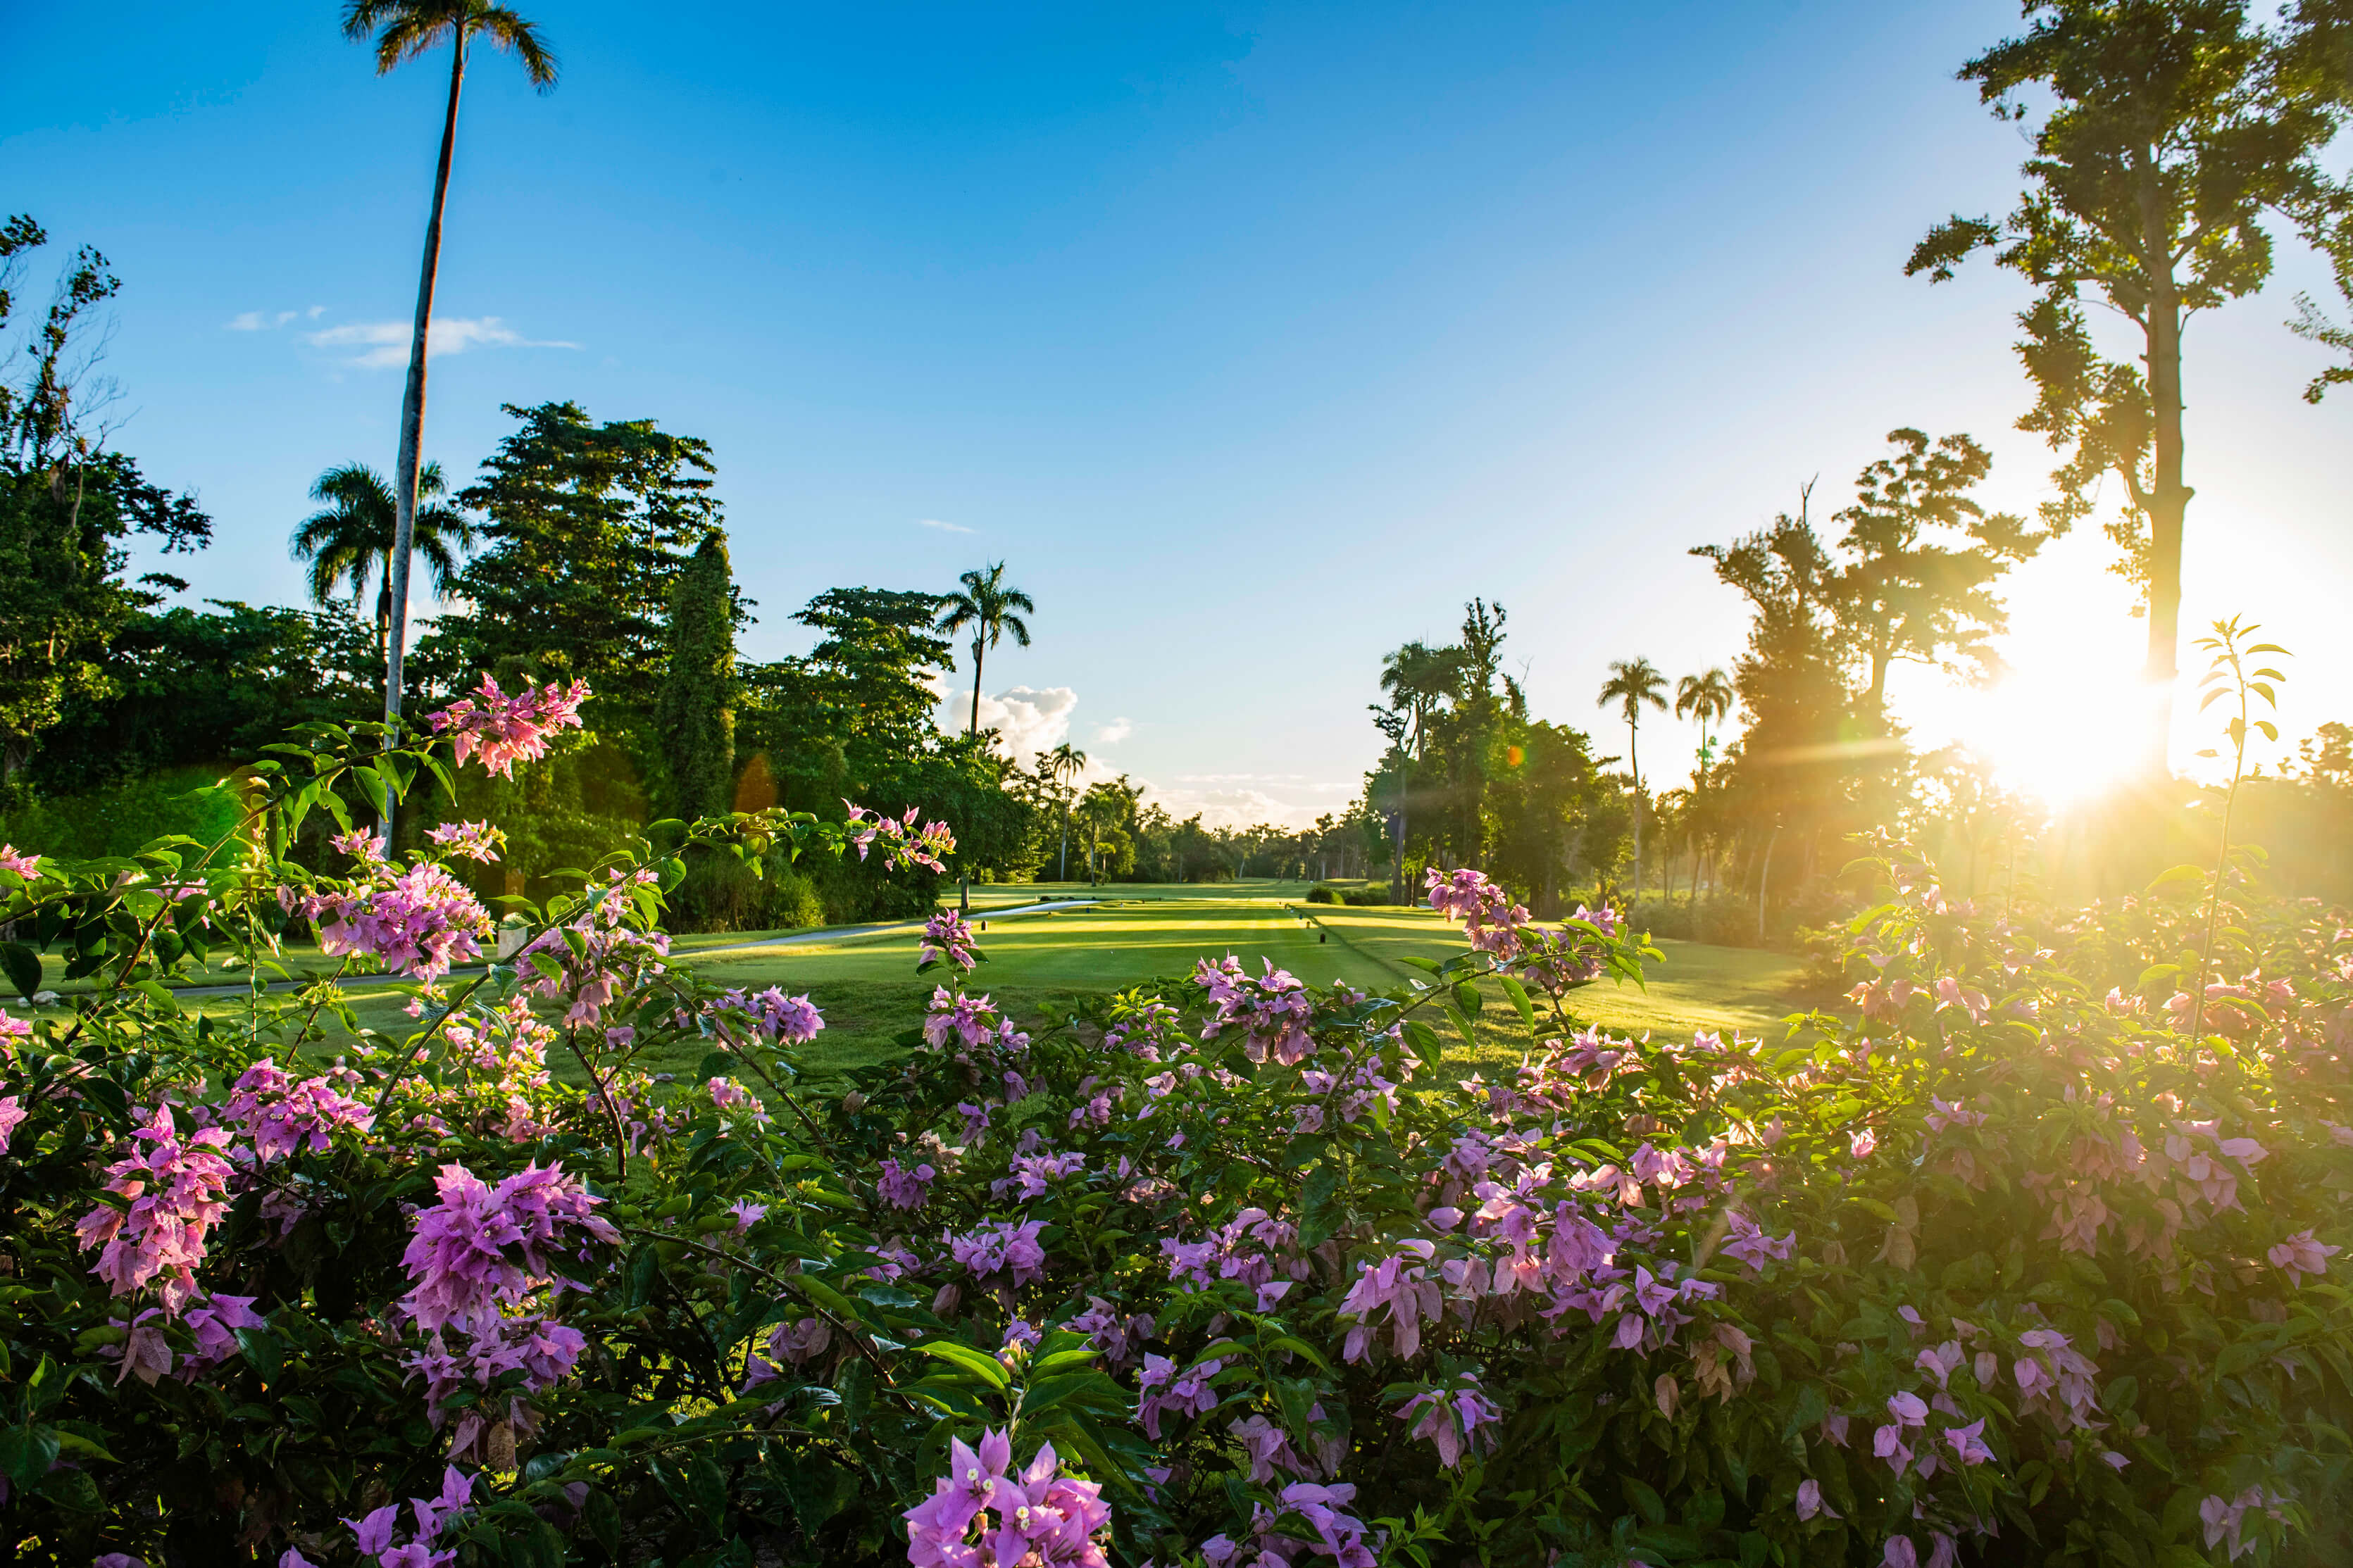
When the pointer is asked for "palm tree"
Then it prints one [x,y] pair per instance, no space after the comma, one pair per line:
[1633,683]
[988,606]
[402,30]
[1709,696]
[1062,763]
[349,544]
[1418,677]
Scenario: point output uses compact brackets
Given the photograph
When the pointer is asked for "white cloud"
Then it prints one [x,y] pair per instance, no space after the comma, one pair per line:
[267,321]
[1113,733]
[1026,720]
[1233,807]
[384,344]
[942,526]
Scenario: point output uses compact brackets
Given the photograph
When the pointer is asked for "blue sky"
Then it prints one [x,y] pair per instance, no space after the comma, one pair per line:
[1256,338]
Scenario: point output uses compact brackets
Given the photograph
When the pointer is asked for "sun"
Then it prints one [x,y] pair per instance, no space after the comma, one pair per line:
[2061,743]
[2066,723]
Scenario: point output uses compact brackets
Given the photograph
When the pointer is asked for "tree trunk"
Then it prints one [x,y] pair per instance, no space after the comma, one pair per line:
[412,420]
[2169,497]
[1764,874]
[384,623]
[1634,761]
[2169,502]
[972,730]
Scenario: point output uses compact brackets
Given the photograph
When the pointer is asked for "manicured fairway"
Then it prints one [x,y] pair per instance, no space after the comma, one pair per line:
[1697,987]
[1039,965]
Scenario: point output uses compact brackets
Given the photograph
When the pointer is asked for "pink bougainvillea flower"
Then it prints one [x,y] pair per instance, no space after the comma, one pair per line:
[946,935]
[2297,1257]
[177,1189]
[481,1245]
[503,731]
[474,840]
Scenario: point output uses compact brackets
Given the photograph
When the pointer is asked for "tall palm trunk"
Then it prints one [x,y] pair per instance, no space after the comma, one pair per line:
[972,730]
[412,417]
[1634,760]
[383,620]
[2169,501]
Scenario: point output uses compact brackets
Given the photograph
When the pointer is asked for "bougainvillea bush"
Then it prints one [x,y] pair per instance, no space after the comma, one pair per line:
[2029,1255]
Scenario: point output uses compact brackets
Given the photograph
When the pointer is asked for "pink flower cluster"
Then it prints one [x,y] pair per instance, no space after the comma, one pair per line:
[1253,1248]
[484,1246]
[1404,1287]
[146,1354]
[474,840]
[789,1344]
[542,1349]
[979,1517]
[1164,1391]
[1118,1337]
[1318,1508]
[12,1116]
[419,923]
[503,731]
[1553,960]
[177,1191]
[1271,1011]
[999,1248]
[775,1015]
[946,935]
[597,956]
[2300,1254]
[730,1095]
[1747,1240]
[958,1017]
[1451,1419]
[903,844]
[1030,1176]
[25,866]
[903,1187]
[431,1515]
[1492,919]
[280,1116]
[2225,1518]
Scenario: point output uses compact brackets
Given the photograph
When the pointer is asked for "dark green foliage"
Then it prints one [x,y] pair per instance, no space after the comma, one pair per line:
[695,718]
[861,692]
[588,526]
[117,819]
[66,508]
[184,686]
[2170,131]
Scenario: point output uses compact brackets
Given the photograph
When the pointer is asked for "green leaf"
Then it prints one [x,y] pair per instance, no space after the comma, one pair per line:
[1300,1347]
[264,1352]
[22,966]
[979,1362]
[1519,996]
[1047,1392]
[696,1485]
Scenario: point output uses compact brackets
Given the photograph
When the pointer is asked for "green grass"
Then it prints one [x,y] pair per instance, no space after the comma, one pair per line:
[1040,965]
[1697,987]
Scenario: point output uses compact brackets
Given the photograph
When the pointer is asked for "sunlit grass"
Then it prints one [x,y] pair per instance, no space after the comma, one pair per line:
[1041,966]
